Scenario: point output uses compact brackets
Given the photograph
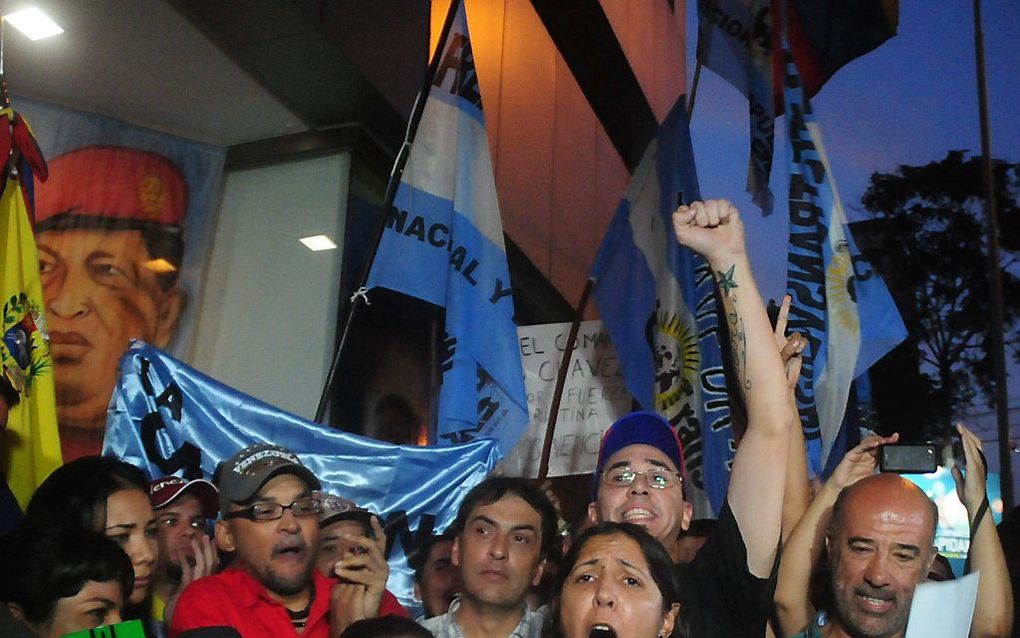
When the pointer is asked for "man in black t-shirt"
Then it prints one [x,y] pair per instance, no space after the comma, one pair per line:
[727,589]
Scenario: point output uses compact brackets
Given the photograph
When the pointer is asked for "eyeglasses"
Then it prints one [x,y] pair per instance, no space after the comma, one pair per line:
[172,522]
[300,508]
[660,478]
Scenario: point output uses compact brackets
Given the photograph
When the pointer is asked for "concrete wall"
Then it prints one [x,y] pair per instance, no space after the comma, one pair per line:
[267,321]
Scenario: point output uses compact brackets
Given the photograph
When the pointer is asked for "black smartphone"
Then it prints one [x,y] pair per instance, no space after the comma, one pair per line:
[958,456]
[907,459]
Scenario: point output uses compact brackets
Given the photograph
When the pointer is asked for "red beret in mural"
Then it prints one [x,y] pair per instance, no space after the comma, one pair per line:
[113,182]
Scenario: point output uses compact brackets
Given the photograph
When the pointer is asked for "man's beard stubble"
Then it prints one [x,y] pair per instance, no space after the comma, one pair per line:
[288,587]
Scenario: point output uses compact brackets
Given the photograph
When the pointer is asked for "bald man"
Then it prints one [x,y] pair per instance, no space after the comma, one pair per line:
[880,543]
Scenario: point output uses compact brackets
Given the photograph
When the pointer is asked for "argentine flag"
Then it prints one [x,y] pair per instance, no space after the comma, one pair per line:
[443,243]
[657,300]
[734,42]
[840,303]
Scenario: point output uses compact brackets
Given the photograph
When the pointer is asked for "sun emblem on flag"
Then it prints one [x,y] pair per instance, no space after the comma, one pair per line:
[839,287]
[677,360]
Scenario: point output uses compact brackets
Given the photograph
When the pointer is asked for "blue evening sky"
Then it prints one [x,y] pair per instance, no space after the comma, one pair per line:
[910,101]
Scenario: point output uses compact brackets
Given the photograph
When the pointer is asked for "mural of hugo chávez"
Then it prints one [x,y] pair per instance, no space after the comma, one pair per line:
[109,231]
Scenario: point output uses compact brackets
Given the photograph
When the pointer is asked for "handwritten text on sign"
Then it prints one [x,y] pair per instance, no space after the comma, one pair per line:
[594,396]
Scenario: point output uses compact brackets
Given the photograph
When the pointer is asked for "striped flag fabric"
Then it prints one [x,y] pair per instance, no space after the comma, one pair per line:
[657,300]
[443,243]
[33,445]
[736,40]
[840,302]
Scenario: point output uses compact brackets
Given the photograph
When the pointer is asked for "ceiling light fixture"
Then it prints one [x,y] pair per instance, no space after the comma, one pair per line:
[318,242]
[33,23]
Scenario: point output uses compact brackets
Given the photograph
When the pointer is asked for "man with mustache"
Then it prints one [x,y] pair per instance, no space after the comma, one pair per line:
[108,224]
[871,526]
[880,543]
[270,525]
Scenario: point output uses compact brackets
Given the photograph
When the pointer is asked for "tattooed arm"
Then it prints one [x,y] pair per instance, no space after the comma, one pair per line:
[713,228]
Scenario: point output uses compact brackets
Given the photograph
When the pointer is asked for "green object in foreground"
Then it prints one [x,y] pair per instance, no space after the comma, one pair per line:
[127,629]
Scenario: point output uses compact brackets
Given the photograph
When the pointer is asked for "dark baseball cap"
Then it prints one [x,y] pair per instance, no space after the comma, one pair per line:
[644,428]
[164,491]
[241,476]
[337,508]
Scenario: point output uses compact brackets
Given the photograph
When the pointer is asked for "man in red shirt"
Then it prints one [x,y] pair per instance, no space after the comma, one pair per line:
[270,524]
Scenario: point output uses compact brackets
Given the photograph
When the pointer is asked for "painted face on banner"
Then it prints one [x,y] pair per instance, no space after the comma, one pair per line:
[108,222]
[100,290]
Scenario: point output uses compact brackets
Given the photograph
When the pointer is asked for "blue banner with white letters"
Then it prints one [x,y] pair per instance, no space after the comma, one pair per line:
[840,303]
[443,243]
[167,418]
[657,300]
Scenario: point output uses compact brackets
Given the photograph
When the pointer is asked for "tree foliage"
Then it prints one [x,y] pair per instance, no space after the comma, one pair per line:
[928,240]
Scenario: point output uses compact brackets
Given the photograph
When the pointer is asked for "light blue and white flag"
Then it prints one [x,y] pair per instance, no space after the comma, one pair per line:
[167,418]
[735,41]
[443,243]
[657,299]
[840,303]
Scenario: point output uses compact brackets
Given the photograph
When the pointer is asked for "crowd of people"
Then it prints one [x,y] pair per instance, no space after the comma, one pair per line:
[261,550]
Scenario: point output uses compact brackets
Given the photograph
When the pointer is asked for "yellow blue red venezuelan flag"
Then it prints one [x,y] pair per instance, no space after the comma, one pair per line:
[31,446]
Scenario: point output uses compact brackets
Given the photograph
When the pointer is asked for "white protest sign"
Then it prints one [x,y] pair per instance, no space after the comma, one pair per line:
[943,610]
[594,396]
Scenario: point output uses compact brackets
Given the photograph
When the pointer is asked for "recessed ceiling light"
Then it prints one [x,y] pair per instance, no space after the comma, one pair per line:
[318,242]
[33,23]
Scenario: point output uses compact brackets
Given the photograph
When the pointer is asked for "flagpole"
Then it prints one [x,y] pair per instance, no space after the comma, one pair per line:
[694,90]
[391,190]
[994,275]
[561,378]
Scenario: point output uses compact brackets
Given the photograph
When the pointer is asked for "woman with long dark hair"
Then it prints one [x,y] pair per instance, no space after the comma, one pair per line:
[98,494]
[616,582]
